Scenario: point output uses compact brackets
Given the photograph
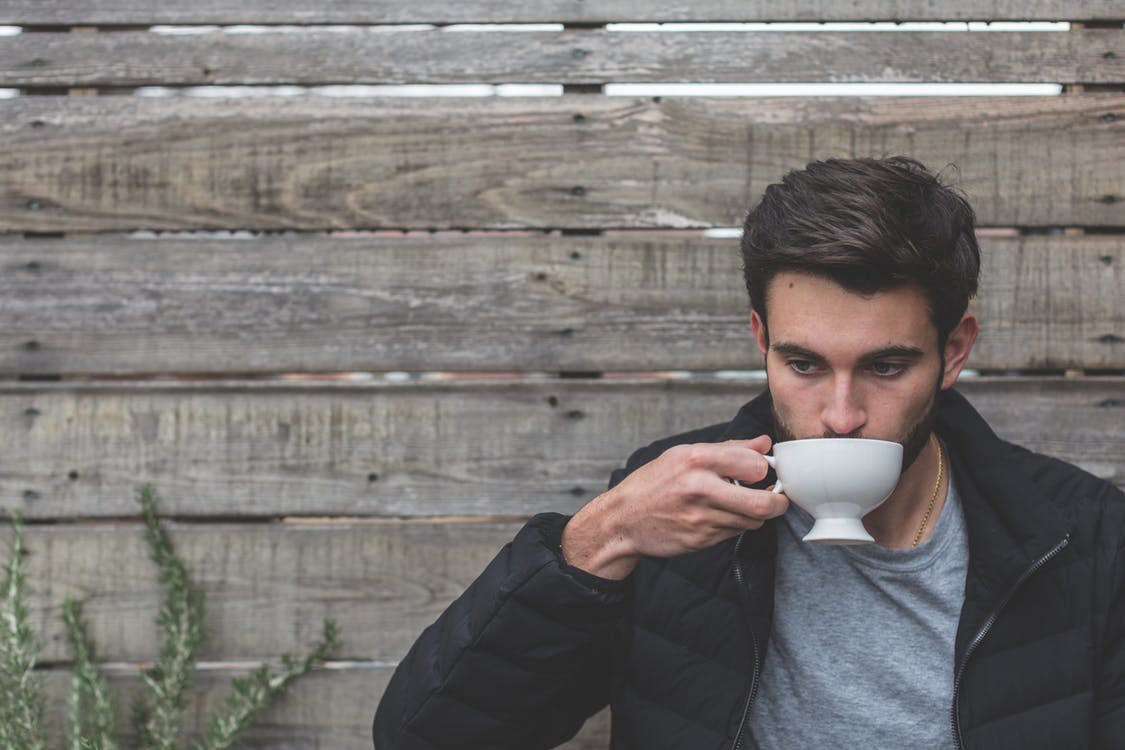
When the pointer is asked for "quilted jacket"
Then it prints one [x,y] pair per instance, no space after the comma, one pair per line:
[534,646]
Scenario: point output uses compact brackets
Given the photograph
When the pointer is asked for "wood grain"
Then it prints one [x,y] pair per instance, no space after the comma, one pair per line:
[114,163]
[104,163]
[67,12]
[1028,302]
[329,709]
[494,448]
[314,56]
[268,586]
[634,301]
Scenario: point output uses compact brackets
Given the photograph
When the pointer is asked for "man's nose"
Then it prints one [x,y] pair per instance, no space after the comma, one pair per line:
[843,414]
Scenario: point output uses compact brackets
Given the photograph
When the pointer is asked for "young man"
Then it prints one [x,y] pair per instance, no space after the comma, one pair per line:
[990,612]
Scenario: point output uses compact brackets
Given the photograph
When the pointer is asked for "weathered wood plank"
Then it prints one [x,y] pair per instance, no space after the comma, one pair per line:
[488,448]
[315,56]
[268,587]
[327,709]
[509,302]
[68,12]
[389,450]
[1066,298]
[109,163]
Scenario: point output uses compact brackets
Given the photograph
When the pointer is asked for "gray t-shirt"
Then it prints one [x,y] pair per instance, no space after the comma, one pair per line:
[861,653]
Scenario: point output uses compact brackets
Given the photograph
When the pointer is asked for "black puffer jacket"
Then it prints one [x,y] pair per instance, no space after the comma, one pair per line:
[534,646]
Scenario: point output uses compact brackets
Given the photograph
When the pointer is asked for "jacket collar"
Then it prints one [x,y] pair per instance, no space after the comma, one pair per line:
[1011,522]
[755,552]
[753,419]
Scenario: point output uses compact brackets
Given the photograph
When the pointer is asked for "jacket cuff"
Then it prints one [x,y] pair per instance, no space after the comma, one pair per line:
[550,528]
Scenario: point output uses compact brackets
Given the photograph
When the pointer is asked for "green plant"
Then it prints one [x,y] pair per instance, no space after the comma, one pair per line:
[21,690]
[158,716]
[92,711]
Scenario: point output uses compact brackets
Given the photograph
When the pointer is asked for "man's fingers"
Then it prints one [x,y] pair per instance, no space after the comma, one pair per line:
[749,504]
[741,459]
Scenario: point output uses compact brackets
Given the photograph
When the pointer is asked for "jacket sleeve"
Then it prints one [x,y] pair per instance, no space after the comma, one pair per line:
[1109,703]
[519,661]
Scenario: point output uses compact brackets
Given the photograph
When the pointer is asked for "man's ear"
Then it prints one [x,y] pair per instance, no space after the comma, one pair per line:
[758,326]
[957,348]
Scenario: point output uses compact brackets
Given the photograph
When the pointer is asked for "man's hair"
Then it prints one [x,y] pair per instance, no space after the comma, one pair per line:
[869,225]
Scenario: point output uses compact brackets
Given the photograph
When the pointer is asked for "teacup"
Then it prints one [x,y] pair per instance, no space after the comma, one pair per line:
[837,481]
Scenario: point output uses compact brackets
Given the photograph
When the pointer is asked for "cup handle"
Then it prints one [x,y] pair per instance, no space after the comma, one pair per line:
[772,461]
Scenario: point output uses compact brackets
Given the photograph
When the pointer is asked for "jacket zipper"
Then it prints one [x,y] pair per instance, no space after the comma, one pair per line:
[738,737]
[983,633]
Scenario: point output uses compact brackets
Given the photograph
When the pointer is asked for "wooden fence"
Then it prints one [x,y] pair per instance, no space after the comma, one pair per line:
[210,294]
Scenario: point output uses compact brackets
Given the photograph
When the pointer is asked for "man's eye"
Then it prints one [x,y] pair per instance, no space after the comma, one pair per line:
[801,366]
[887,369]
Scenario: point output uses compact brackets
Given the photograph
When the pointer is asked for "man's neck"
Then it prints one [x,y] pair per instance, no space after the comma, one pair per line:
[897,521]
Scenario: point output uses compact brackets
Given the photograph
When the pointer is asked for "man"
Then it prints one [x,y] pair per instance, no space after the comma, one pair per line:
[990,612]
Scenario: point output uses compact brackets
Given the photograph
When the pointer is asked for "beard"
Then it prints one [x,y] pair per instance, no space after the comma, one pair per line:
[913,438]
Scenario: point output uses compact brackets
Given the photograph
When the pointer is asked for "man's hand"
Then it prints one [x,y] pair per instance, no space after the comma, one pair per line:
[682,501]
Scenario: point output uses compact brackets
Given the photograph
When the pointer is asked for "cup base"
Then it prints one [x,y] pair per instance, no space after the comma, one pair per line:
[838,531]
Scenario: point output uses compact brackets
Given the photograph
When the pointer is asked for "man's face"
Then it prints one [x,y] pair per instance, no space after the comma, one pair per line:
[841,364]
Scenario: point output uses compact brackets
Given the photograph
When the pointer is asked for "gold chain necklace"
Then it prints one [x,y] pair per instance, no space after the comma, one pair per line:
[933,497]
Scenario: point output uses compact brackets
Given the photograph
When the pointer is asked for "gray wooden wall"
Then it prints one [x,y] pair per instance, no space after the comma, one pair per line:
[182,276]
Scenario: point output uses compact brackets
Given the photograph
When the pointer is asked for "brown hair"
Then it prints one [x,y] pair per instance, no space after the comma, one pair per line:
[869,225]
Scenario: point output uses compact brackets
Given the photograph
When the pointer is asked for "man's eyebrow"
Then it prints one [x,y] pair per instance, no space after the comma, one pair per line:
[894,352]
[795,350]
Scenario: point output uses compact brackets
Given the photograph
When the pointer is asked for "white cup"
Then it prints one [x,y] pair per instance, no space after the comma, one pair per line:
[837,481]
